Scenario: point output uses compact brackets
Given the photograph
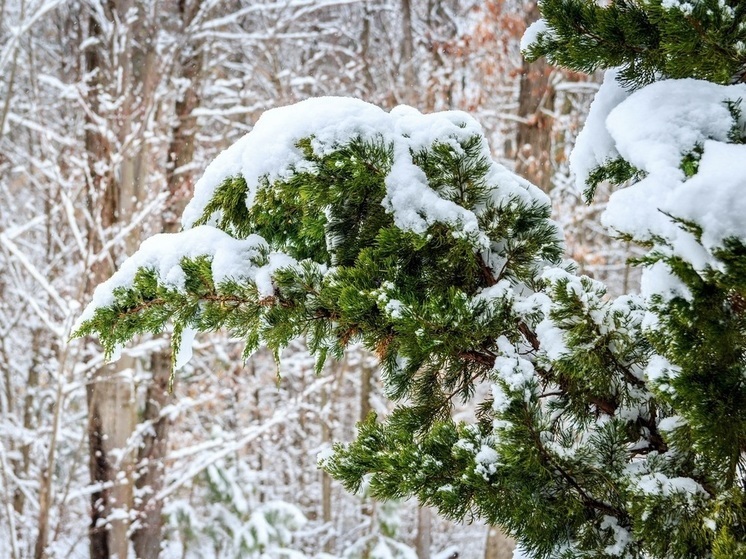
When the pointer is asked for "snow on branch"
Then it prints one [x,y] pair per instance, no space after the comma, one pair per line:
[271,151]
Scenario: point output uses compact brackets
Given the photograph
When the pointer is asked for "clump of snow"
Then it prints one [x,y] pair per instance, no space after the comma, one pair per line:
[658,124]
[323,455]
[659,279]
[660,371]
[531,35]
[487,461]
[465,444]
[654,129]
[669,424]
[415,206]
[395,309]
[713,198]
[230,258]
[551,337]
[660,484]
[500,400]
[594,145]
[520,553]
[683,5]
[270,151]
[514,370]
[622,537]
[500,290]
[492,296]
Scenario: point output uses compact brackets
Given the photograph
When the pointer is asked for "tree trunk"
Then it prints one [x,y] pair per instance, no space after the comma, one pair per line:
[365,47]
[111,420]
[424,539]
[366,378]
[498,546]
[407,46]
[110,392]
[181,149]
[147,537]
[326,480]
[535,104]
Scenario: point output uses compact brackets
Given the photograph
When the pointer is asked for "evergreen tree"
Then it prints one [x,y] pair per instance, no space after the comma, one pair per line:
[610,427]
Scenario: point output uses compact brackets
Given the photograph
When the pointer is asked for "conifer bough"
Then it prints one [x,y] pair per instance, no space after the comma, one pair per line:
[605,427]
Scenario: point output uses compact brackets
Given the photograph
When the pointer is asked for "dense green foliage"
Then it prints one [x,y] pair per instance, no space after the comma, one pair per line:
[648,39]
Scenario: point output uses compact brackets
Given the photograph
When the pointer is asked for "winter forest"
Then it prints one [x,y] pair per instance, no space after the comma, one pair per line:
[536,331]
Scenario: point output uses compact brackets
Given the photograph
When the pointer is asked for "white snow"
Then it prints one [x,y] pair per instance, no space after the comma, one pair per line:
[184,354]
[231,258]
[492,296]
[594,145]
[270,151]
[487,461]
[659,279]
[653,129]
[670,424]
[658,124]
[659,371]
[532,33]
[323,456]
[500,400]
[713,198]
[621,536]
[520,553]
[395,309]
[660,484]
[685,6]
[516,371]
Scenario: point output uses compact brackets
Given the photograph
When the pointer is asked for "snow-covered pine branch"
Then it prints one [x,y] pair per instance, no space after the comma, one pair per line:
[340,222]
[314,193]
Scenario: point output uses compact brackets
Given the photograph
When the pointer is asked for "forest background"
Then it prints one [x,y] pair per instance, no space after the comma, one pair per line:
[108,113]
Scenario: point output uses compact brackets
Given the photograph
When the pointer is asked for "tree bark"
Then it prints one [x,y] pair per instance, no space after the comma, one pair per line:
[181,148]
[424,537]
[111,422]
[407,46]
[535,105]
[110,392]
[498,545]
[326,479]
[147,537]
